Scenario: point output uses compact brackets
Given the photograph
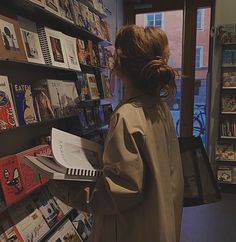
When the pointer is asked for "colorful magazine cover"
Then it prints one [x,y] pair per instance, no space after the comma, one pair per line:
[25,103]
[225,152]
[11,179]
[224,174]
[81,51]
[7,112]
[79,20]
[82,87]
[92,85]
[106,85]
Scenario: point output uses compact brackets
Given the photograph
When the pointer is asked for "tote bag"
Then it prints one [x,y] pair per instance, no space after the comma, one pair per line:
[200,186]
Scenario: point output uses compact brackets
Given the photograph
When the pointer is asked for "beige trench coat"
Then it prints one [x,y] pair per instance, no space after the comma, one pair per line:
[139,198]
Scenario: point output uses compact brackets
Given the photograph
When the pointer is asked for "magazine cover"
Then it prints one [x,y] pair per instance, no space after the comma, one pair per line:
[7,112]
[52,6]
[11,45]
[11,179]
[225,152]
[84,12]
[66,10]
[71,53]
[81,51]
[228,104]
[91,22]
[39,2]
[79,20]
[82,226]
[69,98]
[227,33]
[43,102]
[28,220]
[105,28]
[65,233]
[229,80]
[56,48]
[106,85]
[229,57]
[88,51]
[25,103]
[92,85]
[224,174]
[8,232]
[31,41]
[97,26]
[82,87]
[55,88]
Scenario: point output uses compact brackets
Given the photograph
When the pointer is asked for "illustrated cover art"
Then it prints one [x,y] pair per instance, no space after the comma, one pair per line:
[11,179]
[229,57]
[92,85]
[55,88]
[225,152]
[25,103]
[31,41]
[66,10]
[7,112]
[84,12]
[11,45]
[82,87]
[56,48]
[52,6]
[106,85]
[95,59]
[229,80]
[8,232]
[229,103]
[79,20]
[81,51]
[28,220]
[224,174]
[69,98]
[43,102]
[88,51]
[105,30]
[82,226]
[97,26]
[65,233]
[71,53]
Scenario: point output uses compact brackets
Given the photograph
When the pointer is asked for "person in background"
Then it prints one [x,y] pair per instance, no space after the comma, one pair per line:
[140,194]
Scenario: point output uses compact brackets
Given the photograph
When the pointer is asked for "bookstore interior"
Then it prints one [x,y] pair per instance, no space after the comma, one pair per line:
[58,92]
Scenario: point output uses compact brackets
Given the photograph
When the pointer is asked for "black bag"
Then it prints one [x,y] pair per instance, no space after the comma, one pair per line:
[200,186]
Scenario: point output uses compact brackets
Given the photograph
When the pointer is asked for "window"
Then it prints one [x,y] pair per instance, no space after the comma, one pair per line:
[198,63]
[200,19]
[154,19]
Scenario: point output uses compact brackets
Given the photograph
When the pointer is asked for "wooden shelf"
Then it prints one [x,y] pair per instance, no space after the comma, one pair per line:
[229,113]
[228,137]
[229,88]
[36,13]
[233,162]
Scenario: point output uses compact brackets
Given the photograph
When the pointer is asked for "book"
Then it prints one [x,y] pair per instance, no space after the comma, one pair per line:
[90,117]
[228,127]
[82,87]
[82,226]
[11,44]
[97,26]
[7,112]
[55,88]
[74,158]
[52,6]
[84,12]
[224,174]
[42,101]
[229,57]
[228,103]
[106,85]
[71,53]
[28,220]
[39,2]
[229,80]
[66,10]
[78,18]
[225,152]
[64,207]
[52,44]
[92,86]
[81,51]
[66,232]
[25,103]
[8,231]
[11,179]
[105,28]
[227,33]
[31,41]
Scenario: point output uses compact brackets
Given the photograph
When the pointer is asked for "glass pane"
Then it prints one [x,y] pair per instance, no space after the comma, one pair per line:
[202,58]
[172,24]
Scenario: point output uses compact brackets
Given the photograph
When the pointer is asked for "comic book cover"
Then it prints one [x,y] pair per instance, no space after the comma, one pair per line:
[7,112]
[92,85]
[224,174]
[225,152]
[81,51]
[228,104]
[79,20]
[11,179]
[82,87]
[66,10]
[106,85]
[25,103]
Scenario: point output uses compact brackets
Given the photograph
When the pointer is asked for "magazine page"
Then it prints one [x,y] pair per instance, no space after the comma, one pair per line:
[75,152]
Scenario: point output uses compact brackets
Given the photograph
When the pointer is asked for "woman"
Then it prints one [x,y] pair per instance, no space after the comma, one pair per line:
[139,197]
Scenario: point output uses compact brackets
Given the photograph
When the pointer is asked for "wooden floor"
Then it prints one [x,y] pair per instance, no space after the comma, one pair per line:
[211,223]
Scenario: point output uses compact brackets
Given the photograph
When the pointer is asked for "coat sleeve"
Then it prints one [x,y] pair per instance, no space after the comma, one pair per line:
[122,183]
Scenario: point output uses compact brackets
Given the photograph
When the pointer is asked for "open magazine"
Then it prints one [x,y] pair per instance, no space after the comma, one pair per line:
[74,158]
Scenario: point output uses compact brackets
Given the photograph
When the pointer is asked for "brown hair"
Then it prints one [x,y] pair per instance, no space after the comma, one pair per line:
[142,55]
